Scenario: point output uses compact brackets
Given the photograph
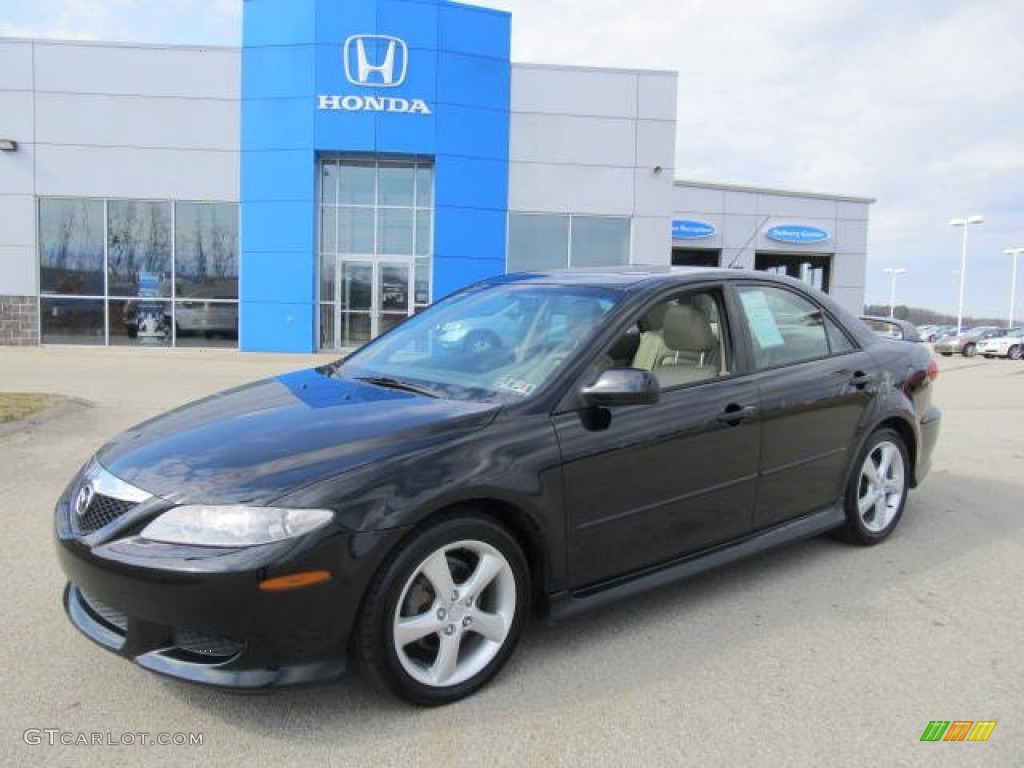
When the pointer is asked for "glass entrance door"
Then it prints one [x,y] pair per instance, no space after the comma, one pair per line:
[374,295]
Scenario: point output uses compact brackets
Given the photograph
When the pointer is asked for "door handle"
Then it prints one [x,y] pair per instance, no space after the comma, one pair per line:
[859,380]
[734,413]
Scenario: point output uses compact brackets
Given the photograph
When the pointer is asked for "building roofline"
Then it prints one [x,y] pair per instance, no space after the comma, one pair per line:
[773,191]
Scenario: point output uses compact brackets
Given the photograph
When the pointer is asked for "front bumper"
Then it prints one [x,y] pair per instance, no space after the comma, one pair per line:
[198,613]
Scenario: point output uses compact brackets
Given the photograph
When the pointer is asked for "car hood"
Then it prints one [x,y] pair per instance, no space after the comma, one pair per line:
[263,440]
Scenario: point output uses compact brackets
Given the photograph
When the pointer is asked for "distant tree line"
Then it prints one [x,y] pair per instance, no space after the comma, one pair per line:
[919,316]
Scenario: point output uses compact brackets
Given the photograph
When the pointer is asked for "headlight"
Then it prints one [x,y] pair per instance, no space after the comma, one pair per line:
[233,526]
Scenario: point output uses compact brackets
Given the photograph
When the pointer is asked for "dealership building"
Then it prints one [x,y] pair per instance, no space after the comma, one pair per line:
[350,164]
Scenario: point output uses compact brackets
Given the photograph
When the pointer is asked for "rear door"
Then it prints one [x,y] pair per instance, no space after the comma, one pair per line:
[815,385]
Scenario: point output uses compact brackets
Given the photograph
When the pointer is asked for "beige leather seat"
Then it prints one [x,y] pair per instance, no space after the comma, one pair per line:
[652,349]
[692,345]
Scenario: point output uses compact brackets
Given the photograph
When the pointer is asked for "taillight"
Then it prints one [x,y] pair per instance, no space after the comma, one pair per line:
[933,370]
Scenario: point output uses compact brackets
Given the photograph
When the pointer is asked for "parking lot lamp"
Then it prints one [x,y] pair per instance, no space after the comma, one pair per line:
[966,224]
[892,272]
[1013,253]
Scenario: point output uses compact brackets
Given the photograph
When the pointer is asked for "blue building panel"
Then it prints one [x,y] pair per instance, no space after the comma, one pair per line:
[473,132]
[276,326]
[273,72]
[272,22]
[470,233]
[473,81]
[285,276]
[279,175]
[427,78]
[471,182]
[452,274]
[284,226]
[337,20]
[476,31]
[414,21]
[276,124]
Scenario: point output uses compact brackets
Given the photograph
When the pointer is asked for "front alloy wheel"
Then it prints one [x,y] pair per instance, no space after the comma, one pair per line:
[445,613]
[970,350]
[1013,353]
[877,490]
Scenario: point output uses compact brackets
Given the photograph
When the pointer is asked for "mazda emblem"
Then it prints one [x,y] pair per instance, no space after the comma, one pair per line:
[84,499]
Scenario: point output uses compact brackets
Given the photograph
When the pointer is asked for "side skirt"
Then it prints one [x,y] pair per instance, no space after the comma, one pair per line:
[566,605]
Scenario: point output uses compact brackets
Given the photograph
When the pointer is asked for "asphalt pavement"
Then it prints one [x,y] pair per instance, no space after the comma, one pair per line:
[818,654]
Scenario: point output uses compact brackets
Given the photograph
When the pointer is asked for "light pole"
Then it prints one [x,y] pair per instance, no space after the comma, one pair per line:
[1013,253]
[892,272]
[966,224]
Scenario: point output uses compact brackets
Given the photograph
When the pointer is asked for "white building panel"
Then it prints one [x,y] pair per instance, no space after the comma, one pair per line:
[138,71]
[699,199]
[136,121]
[17,220]
[652,240]
[15,65]
[162,174]
[535,187]
[18,270]
[657,95]
[803,208]
[656,146]
[16,116]
[16,171]
[562,139]
[573,91]
[851,237]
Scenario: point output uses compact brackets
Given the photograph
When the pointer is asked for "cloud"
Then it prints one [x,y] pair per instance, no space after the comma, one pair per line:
[918,104]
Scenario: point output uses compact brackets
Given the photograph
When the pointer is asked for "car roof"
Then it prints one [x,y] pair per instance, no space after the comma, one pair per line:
[631,276]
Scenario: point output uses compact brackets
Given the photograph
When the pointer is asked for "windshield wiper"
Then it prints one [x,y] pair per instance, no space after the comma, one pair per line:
[389,383]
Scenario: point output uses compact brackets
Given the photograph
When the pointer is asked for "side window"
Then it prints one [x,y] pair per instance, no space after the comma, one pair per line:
[681,339]
[838,341]
[786,328]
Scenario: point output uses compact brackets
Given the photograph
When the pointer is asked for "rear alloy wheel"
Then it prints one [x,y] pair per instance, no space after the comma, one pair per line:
[445,613]
[970,350]
[1013,353]
[877,489]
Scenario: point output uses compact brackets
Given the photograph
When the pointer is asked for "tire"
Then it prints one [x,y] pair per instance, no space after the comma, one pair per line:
[874,504]
[432,648]
[970,350]
[946,354]
[1013,353]
[481,342]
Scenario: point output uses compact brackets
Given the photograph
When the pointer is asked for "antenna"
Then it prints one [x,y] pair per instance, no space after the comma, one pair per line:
[757,231]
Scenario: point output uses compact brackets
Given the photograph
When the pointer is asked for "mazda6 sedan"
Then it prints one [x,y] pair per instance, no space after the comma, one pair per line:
[402,510]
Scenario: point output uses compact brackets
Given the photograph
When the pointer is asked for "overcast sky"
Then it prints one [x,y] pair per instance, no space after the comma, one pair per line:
[918,103]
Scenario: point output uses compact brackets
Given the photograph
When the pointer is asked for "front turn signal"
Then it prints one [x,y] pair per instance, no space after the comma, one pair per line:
[295,581]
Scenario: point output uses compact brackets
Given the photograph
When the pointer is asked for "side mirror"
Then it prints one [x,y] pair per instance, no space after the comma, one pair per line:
[622,386]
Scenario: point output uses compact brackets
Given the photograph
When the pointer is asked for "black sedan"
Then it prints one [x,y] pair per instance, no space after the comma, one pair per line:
[406,507]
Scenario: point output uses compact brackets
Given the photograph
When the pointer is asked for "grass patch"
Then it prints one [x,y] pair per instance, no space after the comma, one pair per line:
[18,405]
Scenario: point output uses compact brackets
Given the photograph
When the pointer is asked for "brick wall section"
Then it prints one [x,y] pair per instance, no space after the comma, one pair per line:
[19,321]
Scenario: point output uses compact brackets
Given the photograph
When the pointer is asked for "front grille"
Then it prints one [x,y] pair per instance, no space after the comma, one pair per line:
[204,644]
[101,511]
[109,615]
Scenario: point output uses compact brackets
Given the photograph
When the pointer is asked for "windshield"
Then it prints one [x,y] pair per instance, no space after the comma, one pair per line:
[497,343]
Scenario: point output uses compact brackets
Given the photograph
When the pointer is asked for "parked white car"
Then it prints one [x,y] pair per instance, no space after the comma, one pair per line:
[1009,346]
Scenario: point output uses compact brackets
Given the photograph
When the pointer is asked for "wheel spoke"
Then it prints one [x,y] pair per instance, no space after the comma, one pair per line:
[439,574]
[885,460]
[447,658]
[870,471]
[409,630]
[866,503]
[487,568]
[491,626]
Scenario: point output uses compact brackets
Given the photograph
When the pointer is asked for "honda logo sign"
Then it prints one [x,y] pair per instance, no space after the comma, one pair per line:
[377,61]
